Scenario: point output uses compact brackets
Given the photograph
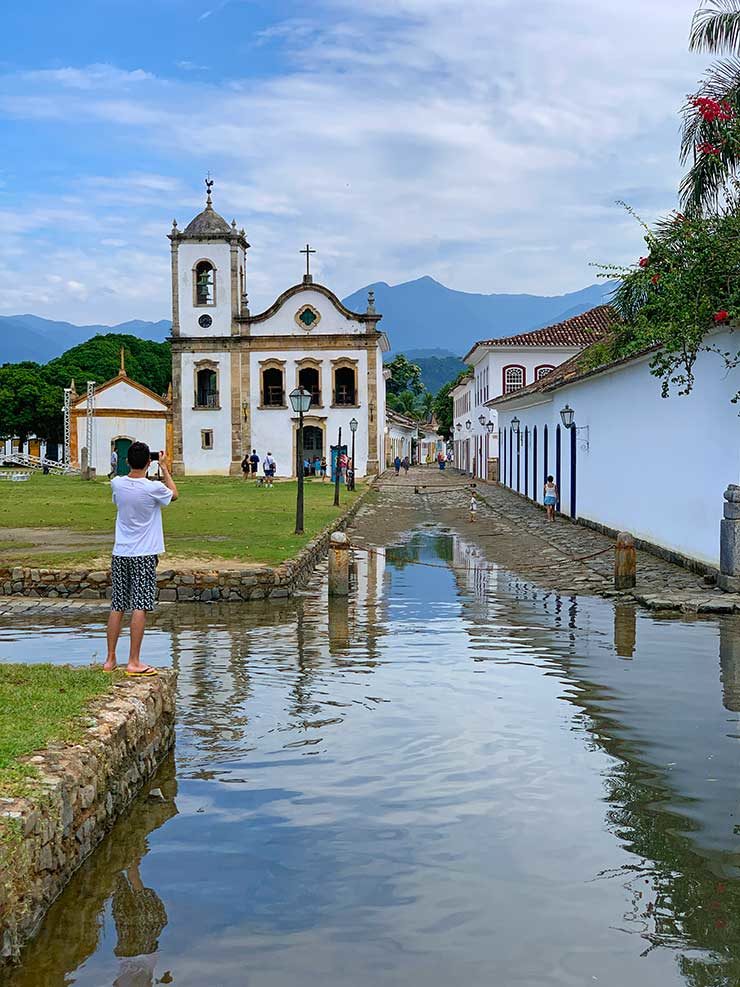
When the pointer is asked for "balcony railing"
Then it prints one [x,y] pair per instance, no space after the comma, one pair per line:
[207,399]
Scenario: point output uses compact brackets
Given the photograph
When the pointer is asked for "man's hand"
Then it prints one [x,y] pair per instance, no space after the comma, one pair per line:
[163,462]
[166,475]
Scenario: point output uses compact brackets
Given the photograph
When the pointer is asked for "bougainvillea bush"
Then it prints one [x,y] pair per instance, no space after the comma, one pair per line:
[686,285]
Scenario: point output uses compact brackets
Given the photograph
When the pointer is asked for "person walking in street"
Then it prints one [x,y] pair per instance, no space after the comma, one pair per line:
[254,461]
[269,467]
[550,491]
[342,467]
[322,469]
[406,464]
[473,511]
[397,464]
[350,474]
[245,467]
[113,463]
[139,541]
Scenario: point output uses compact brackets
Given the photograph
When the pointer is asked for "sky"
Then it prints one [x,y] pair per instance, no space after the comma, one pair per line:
[484,142]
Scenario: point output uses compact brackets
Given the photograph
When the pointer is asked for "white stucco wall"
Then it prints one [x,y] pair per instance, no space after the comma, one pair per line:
[199,461]
[655,467]
[123,395]
[273,428]
[153,431]
[220,255]
[331,321]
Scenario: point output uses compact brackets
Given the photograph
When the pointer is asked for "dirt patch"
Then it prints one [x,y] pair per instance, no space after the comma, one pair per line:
[41,541]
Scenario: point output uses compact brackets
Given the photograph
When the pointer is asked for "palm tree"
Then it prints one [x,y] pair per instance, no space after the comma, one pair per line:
[426,404]
[406,404]
[707,142]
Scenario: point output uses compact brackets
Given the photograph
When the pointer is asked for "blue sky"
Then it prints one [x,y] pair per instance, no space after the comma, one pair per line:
[483,143]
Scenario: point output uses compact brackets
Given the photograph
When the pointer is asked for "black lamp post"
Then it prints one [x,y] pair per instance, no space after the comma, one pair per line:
[337,471]
[300,400]
[353,428]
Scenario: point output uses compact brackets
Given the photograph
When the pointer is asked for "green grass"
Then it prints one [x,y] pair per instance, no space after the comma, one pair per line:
[215,517]
[39,704]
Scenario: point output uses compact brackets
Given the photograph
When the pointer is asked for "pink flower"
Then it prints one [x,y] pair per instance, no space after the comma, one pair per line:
[644,261]
[709,149]
[721,316]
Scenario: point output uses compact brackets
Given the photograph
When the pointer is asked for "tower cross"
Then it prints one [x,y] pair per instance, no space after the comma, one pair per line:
[308,251]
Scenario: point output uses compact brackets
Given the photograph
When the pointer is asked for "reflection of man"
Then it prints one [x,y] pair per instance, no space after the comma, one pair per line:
[140,916]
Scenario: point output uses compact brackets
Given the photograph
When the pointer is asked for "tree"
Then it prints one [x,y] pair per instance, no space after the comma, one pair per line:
[99,358]
[711,132]
[405,403]
[685,286]
[443,404]
[405,376]
[28,404]
[426,405]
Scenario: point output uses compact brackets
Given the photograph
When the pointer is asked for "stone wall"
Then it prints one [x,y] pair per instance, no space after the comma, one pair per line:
[247,583]
[81,791]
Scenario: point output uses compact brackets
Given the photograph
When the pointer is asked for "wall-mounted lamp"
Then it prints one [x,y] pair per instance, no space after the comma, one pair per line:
[490,426]
[468,424]
[458,427]
[568,417]
[245,410]
[482,419]
[515,423]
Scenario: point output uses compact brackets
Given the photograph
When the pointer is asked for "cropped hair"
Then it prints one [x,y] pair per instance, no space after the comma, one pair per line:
[138,455]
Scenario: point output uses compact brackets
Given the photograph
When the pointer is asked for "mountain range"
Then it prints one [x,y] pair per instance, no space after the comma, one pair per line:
[421,317]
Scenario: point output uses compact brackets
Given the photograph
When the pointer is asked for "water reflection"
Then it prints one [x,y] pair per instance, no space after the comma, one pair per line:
[453,775]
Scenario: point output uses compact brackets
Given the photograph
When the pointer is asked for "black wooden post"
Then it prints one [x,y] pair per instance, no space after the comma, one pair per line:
[299,474]
[337,471]
[557,464]
[573,468]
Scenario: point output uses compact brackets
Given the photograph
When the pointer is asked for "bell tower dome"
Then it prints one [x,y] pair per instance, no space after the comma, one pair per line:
[209,271]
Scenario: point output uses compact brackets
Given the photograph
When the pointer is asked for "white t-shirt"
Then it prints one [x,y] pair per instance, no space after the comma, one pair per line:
[139,520]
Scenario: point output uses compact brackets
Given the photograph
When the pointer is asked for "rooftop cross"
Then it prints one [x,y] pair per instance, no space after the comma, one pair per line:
[308,251]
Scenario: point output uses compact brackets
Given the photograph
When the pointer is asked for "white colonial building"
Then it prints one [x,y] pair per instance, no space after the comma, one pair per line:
[233,371]
[502,366]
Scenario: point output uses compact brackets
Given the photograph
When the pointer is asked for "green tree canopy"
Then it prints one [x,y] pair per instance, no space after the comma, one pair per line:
[98,359]
[28,404]
[443,405]
[405,376]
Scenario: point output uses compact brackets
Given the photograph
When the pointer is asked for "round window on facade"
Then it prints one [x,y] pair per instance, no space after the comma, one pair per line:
[205,321]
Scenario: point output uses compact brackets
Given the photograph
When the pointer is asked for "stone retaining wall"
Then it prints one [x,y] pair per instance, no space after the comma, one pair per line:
[83,788]
[247,583]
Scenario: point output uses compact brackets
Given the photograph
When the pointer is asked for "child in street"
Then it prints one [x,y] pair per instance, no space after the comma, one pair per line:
[473,508]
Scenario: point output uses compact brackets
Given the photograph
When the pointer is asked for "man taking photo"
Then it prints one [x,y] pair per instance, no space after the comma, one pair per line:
[139,541]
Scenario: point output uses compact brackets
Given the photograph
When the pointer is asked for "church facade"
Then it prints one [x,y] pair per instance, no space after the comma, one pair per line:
[233,371]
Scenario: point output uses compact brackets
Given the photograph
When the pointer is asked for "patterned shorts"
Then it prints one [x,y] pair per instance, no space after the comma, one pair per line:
[134,582]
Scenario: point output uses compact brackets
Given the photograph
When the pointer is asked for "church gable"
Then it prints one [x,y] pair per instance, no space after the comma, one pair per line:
[121,393]
[308,310]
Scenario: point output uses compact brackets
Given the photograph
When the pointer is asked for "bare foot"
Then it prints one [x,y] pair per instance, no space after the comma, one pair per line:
[110,665]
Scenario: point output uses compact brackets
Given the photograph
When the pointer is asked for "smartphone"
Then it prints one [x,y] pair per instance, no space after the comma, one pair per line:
[154,456]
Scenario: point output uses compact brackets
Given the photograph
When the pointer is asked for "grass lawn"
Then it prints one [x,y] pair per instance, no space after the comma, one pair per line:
[214,517]
[38,704]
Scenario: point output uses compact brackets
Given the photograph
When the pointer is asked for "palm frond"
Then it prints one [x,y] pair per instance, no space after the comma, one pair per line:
[716,27]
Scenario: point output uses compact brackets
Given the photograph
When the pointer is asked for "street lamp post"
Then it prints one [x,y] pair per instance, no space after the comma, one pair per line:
[353,428]
[300,400]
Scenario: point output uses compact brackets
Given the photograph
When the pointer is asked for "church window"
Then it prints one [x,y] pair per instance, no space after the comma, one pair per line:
[307,317]
[204,283]
[345,387]
[310,379]
[206,388]
[543,371]
[206,438]
[273,389]
[514,378]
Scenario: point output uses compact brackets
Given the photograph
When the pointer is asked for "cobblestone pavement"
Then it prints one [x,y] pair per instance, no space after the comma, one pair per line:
[510,531]
[514,533]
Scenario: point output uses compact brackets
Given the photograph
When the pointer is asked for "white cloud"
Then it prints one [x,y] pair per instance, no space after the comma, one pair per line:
[482,143]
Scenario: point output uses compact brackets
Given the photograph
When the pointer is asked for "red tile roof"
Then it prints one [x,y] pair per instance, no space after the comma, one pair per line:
[581,330]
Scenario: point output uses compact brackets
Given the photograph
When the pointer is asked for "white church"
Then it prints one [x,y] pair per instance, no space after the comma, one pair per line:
[233,371]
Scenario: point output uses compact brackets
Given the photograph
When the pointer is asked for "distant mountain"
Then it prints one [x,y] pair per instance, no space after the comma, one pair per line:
[29,337]
[424,315]
[437,370]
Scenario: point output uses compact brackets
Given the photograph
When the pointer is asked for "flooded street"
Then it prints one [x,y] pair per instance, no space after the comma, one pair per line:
[457,777]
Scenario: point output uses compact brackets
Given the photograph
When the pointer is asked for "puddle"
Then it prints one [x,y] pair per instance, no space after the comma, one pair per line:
[454,777]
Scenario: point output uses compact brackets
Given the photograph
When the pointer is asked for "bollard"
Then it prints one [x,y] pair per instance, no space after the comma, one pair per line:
[339,552]
[625,561]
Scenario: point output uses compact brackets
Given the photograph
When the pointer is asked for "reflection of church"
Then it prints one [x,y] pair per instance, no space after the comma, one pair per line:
[232,372]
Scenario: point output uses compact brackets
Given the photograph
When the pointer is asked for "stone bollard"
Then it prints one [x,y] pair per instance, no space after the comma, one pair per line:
[339,552]
[729,542]
[625,561]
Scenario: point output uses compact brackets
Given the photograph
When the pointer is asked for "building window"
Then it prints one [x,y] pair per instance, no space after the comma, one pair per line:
[345,385]
[310,379]
[204,283]
[273,389]
[206,438]
[206,387]
[543,371]
[514,378]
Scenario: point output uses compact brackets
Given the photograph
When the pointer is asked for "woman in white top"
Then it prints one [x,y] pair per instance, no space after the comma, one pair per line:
[551,497]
